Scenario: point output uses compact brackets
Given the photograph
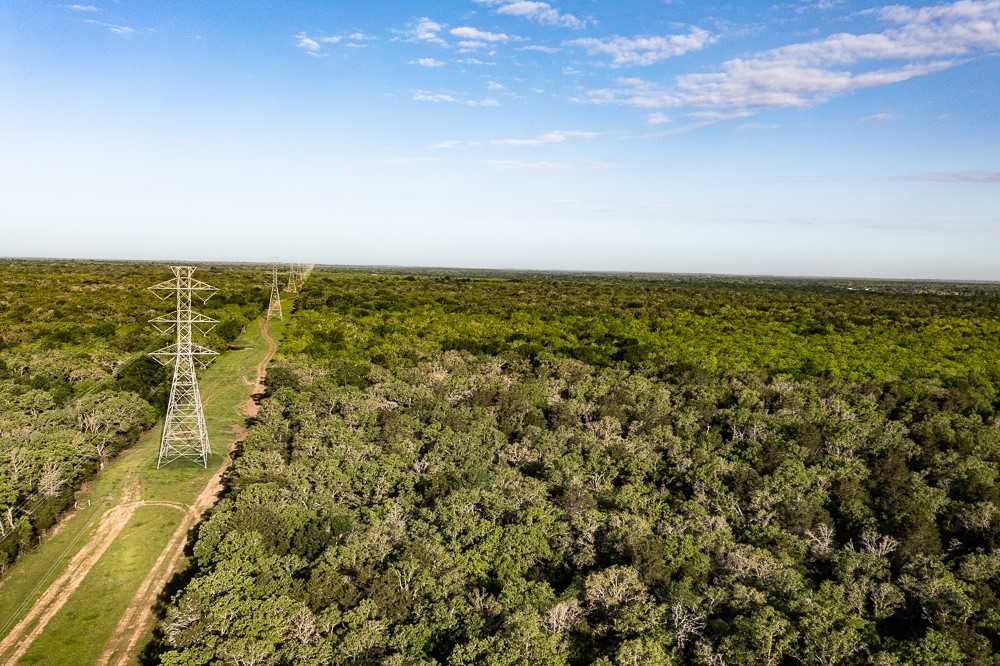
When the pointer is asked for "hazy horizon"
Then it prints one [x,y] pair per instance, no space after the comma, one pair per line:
[166,261]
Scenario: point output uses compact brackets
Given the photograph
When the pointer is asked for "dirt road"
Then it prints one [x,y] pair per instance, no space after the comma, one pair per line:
[20,638]
[138,617]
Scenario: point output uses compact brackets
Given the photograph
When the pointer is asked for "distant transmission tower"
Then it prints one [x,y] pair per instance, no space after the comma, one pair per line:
[274,307]
[292,286]
[185,435]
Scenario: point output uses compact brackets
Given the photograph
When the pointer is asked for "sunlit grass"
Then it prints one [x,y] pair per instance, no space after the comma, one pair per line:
[76,635]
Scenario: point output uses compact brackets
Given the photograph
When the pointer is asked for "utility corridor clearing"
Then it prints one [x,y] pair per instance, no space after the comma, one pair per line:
[87,593]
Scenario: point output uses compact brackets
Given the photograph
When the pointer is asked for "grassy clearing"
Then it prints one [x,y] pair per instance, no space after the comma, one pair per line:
[27,580]
[225,388]
[70,639]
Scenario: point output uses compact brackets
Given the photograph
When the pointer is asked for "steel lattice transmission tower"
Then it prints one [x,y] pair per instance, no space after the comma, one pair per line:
[292,285]
[185,435]
[274,307]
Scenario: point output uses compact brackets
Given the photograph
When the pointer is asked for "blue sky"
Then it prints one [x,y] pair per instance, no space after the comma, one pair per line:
[803,137]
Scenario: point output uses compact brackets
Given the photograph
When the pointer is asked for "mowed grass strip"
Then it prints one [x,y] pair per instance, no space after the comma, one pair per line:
[34,571]
[72,637]
[225,387]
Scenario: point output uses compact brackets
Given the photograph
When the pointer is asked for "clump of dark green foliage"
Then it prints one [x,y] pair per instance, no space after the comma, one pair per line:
[557,470]
[75,384]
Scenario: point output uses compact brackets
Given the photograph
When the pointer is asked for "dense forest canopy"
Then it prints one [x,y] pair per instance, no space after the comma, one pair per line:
[75,384]
[514,469]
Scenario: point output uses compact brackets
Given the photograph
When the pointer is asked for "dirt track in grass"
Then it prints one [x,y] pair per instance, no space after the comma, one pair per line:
[20,638]
[138,617]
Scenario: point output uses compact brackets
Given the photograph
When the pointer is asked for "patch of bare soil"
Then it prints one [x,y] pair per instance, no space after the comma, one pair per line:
[20,638]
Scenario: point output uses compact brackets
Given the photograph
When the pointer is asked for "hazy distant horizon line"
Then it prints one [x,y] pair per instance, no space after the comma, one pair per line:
[566,271]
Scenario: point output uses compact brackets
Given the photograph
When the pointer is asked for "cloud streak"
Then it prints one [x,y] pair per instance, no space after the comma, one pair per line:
[115,29]
[645,50]
[882,117]
[548,138]
[541,13]
[970,177]
[423,30]
[915,43]
[314,46]
[448,98]
[475,34]
[431,63]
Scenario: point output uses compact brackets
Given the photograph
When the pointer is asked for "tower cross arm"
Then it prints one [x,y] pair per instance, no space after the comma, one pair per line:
[172,318]
[198,285]
[164,289]
[170,352]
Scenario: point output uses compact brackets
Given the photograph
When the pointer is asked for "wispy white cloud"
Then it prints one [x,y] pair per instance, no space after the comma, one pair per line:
[917,42]
[83,9]
[645,50]
[427,96]
[314,45]
[971,177]
[542,13]
[115,29]
[431,63]
[449,98]
[694,121]
[548,138]
[658,119]
[472,45]
[307,44]
[475,34]
[356,40]
[540,49]
[806,6]
[718,116]
[961,11]
[423,30]
[545,139]
[789,83]
[883,117]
